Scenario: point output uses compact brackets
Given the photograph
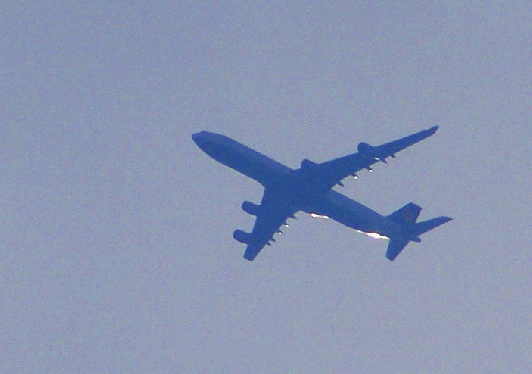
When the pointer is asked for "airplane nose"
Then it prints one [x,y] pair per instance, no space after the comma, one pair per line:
[200,139]
[196,137]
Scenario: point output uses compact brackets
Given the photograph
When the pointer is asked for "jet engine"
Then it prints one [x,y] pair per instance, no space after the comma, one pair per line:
[242,236]
[365,148]
[250,208]
[308,165]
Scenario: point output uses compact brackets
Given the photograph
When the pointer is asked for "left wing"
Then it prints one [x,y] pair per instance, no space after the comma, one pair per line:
[271,216]
[335,170]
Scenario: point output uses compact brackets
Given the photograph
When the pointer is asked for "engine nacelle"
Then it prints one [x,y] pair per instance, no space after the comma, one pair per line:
[365,148]
[250,208]
[308,165]
[242,236]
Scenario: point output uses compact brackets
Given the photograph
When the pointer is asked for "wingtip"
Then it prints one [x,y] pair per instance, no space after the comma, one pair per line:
[433,129]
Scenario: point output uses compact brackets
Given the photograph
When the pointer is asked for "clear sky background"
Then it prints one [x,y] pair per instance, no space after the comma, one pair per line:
[116,250]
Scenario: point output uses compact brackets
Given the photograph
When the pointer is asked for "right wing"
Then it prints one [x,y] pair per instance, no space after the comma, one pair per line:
[271,216]
[335,170]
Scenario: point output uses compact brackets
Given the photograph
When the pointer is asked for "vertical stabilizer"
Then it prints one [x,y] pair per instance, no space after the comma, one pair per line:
[407,214]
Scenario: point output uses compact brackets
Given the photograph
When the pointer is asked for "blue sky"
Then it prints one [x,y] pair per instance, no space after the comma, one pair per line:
[117,254]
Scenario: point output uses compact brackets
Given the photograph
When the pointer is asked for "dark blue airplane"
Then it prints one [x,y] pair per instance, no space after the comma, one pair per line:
[309,189]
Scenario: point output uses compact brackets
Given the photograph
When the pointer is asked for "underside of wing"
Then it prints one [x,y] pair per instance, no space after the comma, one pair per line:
[335,170]
[271,215]
[389,149]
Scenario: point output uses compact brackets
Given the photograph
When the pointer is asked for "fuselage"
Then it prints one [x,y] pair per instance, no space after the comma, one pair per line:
[294,187]
[243,159]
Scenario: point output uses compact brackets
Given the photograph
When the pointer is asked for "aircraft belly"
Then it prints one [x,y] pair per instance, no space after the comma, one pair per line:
[355,215]
[309,189]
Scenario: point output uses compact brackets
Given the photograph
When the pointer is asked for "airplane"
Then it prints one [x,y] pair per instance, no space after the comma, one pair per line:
[310,189]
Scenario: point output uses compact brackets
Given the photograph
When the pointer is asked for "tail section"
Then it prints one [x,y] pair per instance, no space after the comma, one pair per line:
[423,227]
[406,217]
[407,214]
[395,246]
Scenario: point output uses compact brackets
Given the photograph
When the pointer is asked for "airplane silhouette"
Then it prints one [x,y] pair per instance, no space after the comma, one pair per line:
[309,189]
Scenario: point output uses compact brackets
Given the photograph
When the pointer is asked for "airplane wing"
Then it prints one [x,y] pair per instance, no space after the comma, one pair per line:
[335,170]
[272,215]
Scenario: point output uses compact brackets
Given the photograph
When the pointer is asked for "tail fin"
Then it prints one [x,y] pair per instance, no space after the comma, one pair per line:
[407,214]
[406,217]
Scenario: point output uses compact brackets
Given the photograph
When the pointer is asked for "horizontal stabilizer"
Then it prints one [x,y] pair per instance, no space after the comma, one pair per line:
[407,214]
[423,227]
[395,247]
